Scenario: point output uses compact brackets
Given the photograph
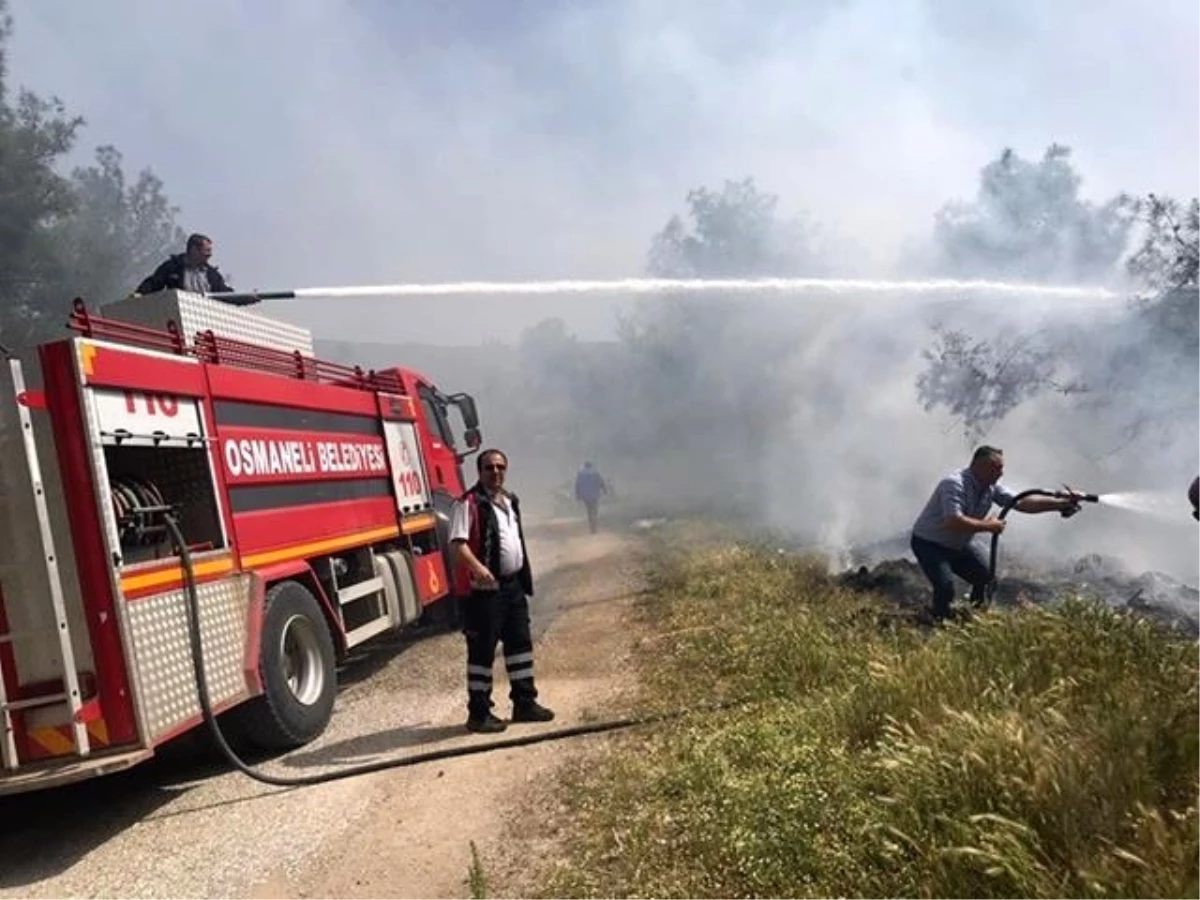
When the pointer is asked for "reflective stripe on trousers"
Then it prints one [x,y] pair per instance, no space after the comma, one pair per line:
[491,617]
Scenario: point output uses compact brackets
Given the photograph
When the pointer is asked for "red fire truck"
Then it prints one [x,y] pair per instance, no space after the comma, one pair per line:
[312,498]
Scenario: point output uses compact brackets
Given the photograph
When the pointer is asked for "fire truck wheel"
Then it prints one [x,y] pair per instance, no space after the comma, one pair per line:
[296,663]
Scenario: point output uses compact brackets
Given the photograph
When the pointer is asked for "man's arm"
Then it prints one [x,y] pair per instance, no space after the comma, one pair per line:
[953,504]
[1037,504]
[460,550]
[216,281]
[462,553]
[156,280]
[972,525]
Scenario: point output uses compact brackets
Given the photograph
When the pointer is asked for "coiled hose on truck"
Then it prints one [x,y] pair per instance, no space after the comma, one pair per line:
[193,618]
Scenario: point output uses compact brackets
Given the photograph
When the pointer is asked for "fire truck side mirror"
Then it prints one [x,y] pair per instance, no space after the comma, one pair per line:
[466,408]
[473,438]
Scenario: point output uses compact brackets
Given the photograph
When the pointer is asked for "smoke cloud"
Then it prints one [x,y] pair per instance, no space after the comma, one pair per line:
[363,141]
[372,142]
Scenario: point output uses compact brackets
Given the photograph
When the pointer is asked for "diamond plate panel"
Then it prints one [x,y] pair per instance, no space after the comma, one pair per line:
[159,631]
[193,313]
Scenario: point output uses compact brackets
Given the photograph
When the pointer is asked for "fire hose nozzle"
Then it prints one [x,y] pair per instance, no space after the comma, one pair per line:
[1071,494]
[1076,497]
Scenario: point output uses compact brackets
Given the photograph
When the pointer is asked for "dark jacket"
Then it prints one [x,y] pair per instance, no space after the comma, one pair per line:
[484,540]
[169,277]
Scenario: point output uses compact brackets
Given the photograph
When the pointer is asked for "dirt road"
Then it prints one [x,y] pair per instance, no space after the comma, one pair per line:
[184,826]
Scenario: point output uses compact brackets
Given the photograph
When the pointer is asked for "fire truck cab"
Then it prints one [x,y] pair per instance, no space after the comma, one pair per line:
[313,499]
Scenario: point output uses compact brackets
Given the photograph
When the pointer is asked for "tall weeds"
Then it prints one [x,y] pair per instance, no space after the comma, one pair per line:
[1030,753]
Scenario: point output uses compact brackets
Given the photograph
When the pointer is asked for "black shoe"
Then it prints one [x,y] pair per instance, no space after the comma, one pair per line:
[531,711]
[485,724]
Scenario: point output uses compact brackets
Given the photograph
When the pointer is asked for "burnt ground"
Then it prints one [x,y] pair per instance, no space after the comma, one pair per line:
[1153,595]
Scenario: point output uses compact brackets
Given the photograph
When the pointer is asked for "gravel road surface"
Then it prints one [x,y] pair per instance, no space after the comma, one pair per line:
[183,825]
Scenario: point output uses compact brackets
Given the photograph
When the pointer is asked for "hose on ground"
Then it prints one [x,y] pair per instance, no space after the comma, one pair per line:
[193,618]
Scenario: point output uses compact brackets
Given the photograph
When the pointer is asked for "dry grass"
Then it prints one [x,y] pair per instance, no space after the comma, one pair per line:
[1033,753]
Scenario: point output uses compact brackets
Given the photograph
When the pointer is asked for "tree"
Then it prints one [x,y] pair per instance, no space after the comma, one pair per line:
[1138,375]
[979,382]
[700,399]
[550,387]
[1028,222]
[1170,251]
[34,134]
[733,233]
[91,234]
[117,233]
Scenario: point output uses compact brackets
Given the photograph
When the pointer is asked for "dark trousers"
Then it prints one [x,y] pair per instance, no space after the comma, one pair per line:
[496,616]
[593,513]
[940,563]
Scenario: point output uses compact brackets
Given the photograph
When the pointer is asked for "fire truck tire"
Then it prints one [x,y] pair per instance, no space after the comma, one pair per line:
[297,667]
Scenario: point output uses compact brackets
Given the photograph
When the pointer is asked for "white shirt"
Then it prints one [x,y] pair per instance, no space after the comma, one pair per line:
[195,279]
[511,558]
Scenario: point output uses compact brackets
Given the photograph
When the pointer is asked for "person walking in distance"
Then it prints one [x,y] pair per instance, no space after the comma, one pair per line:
[491,568]
[957,510]
[589,488]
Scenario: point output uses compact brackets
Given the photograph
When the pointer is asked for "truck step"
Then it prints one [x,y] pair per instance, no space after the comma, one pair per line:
[54,773]
[361,589]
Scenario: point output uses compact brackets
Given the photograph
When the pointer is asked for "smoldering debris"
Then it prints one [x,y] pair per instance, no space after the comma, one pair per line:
[1152,595]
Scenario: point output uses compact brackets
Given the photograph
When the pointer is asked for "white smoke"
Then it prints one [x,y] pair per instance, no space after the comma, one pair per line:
[370,143]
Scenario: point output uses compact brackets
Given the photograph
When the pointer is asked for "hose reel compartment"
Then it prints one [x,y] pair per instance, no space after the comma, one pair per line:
[155,460]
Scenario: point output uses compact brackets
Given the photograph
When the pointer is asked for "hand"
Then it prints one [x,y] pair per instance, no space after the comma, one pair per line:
[1070,493]
[994,525]
[484,578]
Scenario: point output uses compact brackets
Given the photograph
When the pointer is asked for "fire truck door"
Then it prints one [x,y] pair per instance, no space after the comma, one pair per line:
[408,474]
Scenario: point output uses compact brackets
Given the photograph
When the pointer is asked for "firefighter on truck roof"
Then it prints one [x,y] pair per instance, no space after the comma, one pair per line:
[188,271]
[491,565]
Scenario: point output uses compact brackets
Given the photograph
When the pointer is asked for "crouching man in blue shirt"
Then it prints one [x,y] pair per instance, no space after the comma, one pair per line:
[958,509]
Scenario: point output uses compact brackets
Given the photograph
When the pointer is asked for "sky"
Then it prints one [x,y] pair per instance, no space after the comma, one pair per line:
[352,142]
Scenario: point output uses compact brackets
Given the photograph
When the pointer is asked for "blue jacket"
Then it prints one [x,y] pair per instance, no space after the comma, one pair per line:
[589,485]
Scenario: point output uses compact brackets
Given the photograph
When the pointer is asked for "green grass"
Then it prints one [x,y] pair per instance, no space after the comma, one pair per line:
[1030,753]
[477,881]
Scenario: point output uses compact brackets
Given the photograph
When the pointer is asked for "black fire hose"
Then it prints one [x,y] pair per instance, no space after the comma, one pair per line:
[990,591]
[249,298]
[193,614]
